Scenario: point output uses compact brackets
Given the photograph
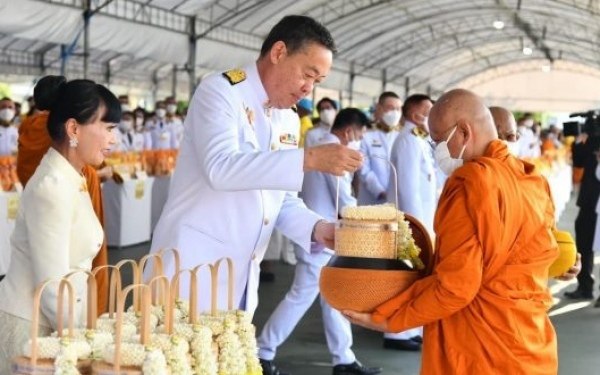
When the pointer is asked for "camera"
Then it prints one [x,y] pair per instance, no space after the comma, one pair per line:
[589,125]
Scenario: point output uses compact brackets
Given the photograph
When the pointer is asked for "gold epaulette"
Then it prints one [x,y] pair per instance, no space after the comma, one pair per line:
[419,133]
[235,76]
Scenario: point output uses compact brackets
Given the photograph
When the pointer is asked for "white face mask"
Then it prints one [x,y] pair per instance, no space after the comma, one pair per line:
[445,161]
[528,123]
[161,112]
[391,118]
[171,108]
[126,125]
[7,114]
[513,147]
[125,108]
[327,116]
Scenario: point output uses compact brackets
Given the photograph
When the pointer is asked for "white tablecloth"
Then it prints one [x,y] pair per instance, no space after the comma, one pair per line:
[160,192]
[9,204]
[127,211]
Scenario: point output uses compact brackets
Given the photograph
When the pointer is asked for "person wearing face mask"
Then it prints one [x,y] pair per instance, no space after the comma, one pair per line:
[129,139]
[529,143]
[327,110]
[485,305]
[319,191]
[416,181]
[161,128]
[174,122]
[506,125]
[139,123]
[374,176]
[9,134]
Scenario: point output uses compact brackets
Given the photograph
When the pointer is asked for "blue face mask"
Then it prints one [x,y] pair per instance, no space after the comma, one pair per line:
[445,161]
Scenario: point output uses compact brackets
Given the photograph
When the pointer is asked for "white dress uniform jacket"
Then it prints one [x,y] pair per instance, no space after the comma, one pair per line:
[317,135]
[131,141]
[375,172]
[412,158]
[319,194]
[9,137]
[162,134]
[237,168]
[56,232]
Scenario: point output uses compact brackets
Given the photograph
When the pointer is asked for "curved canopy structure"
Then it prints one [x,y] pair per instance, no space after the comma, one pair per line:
[406,46]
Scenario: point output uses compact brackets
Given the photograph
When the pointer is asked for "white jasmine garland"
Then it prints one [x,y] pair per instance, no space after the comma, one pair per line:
[155,363]
[66,360]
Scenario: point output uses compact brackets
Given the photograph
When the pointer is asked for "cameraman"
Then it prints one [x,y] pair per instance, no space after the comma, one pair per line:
[585,151]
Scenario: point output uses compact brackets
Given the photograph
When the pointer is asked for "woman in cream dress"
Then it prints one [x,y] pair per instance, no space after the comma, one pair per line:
[56,230]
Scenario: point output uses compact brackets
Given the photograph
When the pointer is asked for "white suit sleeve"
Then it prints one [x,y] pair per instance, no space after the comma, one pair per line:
[367,174]
[296,221]
[213,123]
[406,154]
[49,219]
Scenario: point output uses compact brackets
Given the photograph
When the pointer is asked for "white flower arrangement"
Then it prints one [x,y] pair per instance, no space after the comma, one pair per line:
[132,354]
[230,347]
[155,363]
[182,310]
[204,356]
[405,243]
[128,329]
[66,360]
[96,340]
[373,213]
[47,347]
[177,356]
[247,334]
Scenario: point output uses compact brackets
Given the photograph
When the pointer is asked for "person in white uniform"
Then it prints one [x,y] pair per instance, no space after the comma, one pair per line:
[174,122]
[239,169]
[416,181]
[56,230]
[129,139]
[376,146]
[9,134]
[319,192]
[327,109]
[160,128]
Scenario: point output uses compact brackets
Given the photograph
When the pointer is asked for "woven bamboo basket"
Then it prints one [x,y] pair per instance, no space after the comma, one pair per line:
[365,287]
[33,365]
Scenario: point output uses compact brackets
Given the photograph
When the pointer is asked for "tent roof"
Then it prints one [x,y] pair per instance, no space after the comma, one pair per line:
[411,45]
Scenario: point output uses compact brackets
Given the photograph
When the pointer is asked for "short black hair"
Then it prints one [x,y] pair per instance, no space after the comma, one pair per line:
[413,101]
[326,99]
[385,95]
[296,32]
[79,99]
[349,117]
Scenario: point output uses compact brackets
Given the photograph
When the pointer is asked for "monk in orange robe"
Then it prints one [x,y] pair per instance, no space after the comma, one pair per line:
[34,141]
[484,307]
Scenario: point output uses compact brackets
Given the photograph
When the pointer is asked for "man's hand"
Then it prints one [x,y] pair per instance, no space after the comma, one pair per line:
[324,233]
[364,320]
[332,158]
[573,271]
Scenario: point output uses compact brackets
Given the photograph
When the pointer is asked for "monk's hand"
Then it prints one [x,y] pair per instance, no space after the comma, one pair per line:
[324,233]
[332,158]
[573,271]
[365,320]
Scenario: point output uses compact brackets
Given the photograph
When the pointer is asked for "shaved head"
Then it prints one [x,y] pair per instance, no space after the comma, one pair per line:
[466,111]
[505,122]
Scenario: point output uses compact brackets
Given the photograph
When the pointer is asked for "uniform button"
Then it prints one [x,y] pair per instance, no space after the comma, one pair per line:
[266,221]
[253,256]
[273,146]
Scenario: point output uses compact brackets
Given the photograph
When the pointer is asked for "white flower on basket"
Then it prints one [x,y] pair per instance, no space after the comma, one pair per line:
[405,243]
[204,355]
[247,334]
[182,310]
[97,341]
[108,325]
[177,356]
[47,347]
[375,213]
[66,360]
[156,316]
[155,363]
[132,354]
[230,347]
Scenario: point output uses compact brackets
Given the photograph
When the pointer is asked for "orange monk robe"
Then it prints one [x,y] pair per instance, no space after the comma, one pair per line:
[484,308]
[34,141]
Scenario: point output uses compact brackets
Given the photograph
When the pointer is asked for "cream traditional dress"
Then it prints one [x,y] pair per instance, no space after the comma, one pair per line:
[56,232]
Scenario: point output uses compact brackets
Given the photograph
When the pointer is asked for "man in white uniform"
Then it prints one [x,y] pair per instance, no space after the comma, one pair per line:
[375,146]
[9,134]
[129,139]
[239,166]
[413,159]
[160,128]
[319,192]
[327,109]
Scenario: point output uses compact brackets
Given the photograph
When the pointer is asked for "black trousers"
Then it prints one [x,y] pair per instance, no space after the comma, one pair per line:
[585,226]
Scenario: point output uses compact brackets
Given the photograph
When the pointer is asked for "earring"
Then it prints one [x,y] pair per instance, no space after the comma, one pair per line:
[73,142]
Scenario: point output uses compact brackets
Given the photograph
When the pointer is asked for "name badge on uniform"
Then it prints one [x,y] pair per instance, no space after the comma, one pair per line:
[288,139]
[376,143]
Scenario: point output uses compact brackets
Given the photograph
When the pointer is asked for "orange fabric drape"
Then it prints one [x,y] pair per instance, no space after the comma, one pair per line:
[484,308]
[34,141]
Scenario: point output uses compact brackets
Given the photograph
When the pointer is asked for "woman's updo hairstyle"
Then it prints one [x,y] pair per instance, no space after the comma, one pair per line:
[79,99]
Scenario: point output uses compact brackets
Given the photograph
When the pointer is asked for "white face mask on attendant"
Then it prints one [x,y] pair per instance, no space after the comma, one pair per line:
[171,109]
[161,113]
[125,125]
[7,114]
[445,161]
[391,118]
[513,148]
[327,116]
